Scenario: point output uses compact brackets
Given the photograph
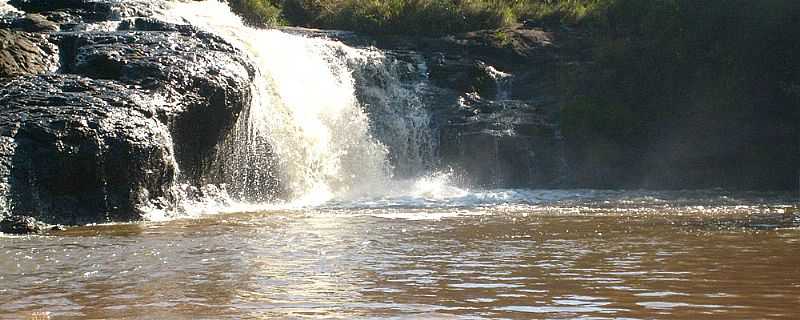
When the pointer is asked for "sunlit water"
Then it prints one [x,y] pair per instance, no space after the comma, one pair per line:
[511,254]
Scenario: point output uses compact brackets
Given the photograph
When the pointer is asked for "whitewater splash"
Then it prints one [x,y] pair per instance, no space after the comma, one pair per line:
[6,8]
[306,136]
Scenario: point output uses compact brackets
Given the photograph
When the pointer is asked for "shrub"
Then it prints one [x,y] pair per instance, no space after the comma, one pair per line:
[259,12]
[703,82]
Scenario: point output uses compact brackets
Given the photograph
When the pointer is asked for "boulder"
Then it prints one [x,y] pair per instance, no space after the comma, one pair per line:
[24,53]
[95,124]
[80,150]
[21,225]
[205,81]
[34,23]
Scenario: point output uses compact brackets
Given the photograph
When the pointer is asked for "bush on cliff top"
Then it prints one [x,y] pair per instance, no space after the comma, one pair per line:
[258,12]
[429,17]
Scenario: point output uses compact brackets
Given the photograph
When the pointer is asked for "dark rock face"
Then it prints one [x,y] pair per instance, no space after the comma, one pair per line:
[501,144]
[21,225]
[94,10]
[204,80]
[80,150]
[86,9]
[494,101]
[88,119]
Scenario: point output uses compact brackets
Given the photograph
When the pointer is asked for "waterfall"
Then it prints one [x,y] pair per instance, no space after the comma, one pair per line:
[307,135]
[5,8]
[392,91]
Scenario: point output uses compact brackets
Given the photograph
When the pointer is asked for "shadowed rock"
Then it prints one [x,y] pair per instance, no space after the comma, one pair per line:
[21,225]
[95,10]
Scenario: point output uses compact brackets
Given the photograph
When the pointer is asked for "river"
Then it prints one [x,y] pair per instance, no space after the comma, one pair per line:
[503,254]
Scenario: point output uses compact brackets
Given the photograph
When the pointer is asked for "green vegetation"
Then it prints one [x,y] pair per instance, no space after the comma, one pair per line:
[429,17]
[559,11]
[259,12]
[684,84]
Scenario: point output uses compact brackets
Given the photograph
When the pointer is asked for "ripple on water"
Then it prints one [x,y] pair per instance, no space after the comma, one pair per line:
[352,264]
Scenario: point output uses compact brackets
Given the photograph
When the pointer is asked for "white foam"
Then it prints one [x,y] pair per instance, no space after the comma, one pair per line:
[6,8]
[304,106]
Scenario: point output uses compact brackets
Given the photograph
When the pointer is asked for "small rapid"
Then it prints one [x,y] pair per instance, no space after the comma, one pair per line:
[669,256]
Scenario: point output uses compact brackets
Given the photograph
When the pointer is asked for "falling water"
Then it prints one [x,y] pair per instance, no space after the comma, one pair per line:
[392,90]
[5,186]
[306,135]
[502,82]
[5,8]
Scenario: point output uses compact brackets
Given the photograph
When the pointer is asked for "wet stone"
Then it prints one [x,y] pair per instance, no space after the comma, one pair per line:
[35,23]
[95,124]
[21,225]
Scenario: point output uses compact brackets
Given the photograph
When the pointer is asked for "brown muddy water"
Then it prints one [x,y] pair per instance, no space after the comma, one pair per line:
[604,256]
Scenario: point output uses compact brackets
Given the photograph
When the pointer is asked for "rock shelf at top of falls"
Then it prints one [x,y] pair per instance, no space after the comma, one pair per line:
[113,109]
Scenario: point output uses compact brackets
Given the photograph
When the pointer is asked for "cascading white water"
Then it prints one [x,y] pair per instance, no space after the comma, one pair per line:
[6,8]
[502,81]
[305,126]
[399,116]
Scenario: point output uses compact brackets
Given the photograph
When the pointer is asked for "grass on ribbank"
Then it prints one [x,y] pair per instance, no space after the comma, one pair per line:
[418,17]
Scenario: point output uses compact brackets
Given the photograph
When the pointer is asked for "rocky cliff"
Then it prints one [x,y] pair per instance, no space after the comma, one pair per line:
[494,97]
[101,105]
[106,110]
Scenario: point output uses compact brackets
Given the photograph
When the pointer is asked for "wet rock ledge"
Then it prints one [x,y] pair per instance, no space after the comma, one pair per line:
[93,96]
[494,97]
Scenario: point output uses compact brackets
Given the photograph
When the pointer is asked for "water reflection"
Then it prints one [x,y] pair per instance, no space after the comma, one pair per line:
[499,264]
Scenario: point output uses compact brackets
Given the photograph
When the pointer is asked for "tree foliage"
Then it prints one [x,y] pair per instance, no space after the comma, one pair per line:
[685,84]
[426,17]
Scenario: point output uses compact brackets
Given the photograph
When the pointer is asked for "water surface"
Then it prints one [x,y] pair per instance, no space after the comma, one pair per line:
[504,254]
